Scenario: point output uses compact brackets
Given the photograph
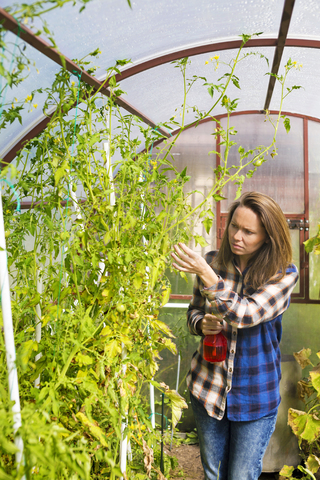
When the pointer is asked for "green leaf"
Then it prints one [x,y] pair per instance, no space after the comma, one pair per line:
[286,123]
[286,471]
[218,197]
[82,359]
[245,38]
[165,296]
[163,327]
[113,349]
[35,299]
[302,357]
[211,91]
[26,349]
[178,403]
[106,331]
[183,173]
[61,172]
[137,280]
[239,191]
[313,463]
[112,81]
[5,476]
[305,426]
[167,343]
[200,240]
[235,81]
[95,430]
[315,379]
[308,472]
[207,223]
[312,243]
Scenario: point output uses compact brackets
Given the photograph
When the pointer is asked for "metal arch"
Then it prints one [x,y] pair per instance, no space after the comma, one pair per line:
[10,23]
[192,51]
[27,35]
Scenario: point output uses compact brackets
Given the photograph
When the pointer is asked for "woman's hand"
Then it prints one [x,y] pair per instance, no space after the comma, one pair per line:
[210,325]
[186,260]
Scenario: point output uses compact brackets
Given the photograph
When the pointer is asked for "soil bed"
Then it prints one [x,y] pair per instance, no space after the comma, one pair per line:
[188,457]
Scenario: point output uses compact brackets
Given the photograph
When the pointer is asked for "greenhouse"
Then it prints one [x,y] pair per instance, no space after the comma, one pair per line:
[133,136]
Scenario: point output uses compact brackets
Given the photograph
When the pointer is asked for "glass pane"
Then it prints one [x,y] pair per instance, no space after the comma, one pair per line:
[280,177]
[314,201]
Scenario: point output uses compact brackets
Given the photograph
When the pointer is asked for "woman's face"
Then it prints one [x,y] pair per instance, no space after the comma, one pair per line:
[246,233]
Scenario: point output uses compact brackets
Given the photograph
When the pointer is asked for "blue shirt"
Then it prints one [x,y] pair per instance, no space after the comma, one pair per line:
[247,382]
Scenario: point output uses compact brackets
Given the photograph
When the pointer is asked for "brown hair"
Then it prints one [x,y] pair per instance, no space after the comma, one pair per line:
[274,256]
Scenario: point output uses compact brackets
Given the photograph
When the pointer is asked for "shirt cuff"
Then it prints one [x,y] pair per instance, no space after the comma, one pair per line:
[214,290]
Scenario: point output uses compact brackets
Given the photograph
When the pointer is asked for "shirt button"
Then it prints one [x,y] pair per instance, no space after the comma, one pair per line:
[230,369]
[232,351]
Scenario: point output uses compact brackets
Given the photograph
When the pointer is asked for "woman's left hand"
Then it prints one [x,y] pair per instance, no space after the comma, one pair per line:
[186,260]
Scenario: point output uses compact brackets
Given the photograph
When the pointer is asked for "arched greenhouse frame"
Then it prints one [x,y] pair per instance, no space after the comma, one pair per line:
[197,102]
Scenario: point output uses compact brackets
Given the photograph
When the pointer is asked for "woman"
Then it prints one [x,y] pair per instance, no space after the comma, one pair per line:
[243,291]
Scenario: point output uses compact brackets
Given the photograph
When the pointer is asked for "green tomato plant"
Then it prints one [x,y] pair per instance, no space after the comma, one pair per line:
[306,424]
[97,237]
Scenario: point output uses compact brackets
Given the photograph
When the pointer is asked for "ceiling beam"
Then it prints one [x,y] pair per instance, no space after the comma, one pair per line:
[282,37]
[210,48]
[192,51]
[10,23]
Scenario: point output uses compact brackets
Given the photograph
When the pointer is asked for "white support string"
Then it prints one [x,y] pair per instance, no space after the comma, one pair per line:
[38,325]
[9,341]
[151,387]
[125,447]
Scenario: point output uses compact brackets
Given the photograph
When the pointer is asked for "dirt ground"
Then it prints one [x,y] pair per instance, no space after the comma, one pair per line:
[189,461]
[188,457]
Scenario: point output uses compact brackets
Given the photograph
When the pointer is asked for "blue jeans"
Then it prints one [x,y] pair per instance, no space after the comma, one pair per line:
[232,450]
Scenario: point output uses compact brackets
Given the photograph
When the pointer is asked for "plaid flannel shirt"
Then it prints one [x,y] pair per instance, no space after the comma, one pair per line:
[247,382]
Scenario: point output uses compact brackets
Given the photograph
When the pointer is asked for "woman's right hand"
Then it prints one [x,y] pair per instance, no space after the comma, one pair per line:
[210,324]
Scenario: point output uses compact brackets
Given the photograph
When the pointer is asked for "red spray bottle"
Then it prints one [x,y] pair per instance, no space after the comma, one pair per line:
[215,348]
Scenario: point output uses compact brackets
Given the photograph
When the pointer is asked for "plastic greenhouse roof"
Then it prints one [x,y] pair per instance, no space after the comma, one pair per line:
[153,34]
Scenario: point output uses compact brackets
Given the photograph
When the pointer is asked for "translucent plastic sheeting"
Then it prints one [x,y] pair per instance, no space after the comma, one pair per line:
[158,92]
[305,101]
[191,151]
[314,202]
[148,30]
[280,177]
[31,115]
[151,29]
[305,19]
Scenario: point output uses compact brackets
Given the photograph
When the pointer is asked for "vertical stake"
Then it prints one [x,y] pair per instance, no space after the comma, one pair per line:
[162,418]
